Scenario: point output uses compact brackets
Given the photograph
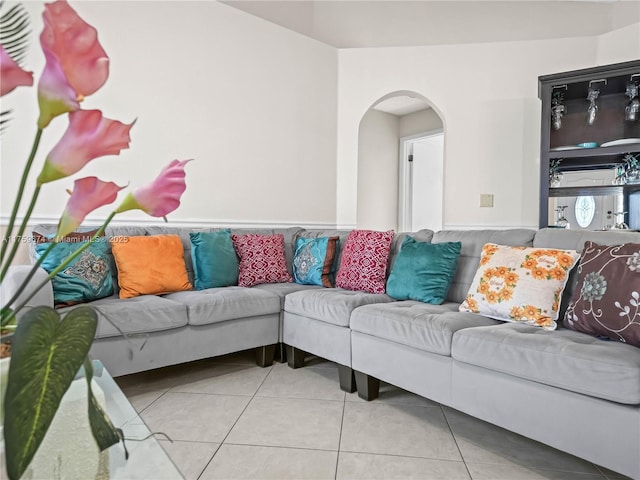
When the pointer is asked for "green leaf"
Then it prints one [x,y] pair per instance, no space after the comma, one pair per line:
[14,31]
[46,354]
[7,317]
[104,432]
[14,37]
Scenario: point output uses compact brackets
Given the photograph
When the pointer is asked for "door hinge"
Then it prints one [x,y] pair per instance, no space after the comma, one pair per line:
[411,158]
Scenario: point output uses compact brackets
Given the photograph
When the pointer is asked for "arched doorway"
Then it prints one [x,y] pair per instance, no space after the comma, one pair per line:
[387,180]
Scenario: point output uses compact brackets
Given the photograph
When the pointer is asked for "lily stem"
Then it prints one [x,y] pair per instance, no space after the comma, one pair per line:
[6,238]
[23,227]
[4,312]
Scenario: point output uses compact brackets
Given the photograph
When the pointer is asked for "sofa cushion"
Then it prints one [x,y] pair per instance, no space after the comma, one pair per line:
[151,265]
[226,303]
[607,300]
[88,276]
[313,261]
[331,305]
[137,315]
[423,271]
[215,263]
[472,243]
[418,325]
[284,289]
[520,284]
[262,259]
[563,358]
[363,265]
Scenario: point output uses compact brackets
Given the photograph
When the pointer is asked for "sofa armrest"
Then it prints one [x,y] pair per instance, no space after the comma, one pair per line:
[14,278]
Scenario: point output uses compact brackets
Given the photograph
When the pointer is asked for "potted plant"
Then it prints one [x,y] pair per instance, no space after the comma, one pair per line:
[48,349]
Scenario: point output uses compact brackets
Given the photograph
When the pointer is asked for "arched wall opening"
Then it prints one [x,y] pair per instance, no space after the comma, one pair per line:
[394,117]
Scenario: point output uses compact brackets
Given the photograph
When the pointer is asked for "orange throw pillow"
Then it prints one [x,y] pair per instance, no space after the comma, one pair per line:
[150,265]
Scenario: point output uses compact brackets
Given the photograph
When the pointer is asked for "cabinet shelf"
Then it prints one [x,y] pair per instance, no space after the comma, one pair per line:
[599,152]
[595,190]
[610,124]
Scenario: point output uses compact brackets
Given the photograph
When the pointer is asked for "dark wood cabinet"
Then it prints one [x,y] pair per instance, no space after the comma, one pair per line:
[571,89]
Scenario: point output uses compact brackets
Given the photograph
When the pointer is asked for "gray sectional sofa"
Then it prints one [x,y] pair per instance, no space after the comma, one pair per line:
[566,389]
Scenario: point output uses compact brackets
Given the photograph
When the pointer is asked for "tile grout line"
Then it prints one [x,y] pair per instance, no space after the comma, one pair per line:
[344,407]
[599,472]
[235,423]
[455,440]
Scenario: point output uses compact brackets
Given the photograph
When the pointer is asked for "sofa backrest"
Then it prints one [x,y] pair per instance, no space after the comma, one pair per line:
[182,232]
[472,243]
[290,235]
[424,235]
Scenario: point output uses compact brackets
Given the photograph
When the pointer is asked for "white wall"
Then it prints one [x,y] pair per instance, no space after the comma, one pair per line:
[620,45]
[378,171]
[254,104]
[257,106]
[486,95]
[422,121]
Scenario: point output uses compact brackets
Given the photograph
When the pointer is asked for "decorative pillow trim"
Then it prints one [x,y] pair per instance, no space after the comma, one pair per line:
[327,268]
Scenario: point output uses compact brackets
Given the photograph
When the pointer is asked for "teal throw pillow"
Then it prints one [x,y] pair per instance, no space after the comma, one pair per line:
[313,261]
[215,263]
[86,278]
[423,271]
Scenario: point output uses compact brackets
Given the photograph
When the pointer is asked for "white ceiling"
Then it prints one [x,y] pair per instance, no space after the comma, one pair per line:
[392,23]
[401,105]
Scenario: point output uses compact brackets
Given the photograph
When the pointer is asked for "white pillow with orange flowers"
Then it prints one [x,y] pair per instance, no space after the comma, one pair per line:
[520,284]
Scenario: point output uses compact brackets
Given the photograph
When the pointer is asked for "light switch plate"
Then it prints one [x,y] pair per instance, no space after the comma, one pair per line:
[486,200]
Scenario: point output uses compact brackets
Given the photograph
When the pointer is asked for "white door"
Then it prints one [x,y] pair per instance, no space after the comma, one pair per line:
[421,182]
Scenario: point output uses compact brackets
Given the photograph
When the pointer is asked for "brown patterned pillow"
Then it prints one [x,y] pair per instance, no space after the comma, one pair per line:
[606,301]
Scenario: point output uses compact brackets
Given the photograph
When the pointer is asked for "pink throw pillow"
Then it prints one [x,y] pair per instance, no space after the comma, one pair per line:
[363,265]
[262,259]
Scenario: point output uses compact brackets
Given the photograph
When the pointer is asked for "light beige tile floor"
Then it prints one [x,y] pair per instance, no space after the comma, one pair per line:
[230,419]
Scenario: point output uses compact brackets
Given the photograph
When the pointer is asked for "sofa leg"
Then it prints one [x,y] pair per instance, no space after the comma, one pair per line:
[265,354]
[281,353]
[295,357]
[347,379]
[368,386]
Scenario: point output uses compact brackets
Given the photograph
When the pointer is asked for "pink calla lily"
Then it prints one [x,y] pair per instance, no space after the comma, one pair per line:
[11,75]
[55,95]
[160,197]
[88,194]
[73,51]
[88,136]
